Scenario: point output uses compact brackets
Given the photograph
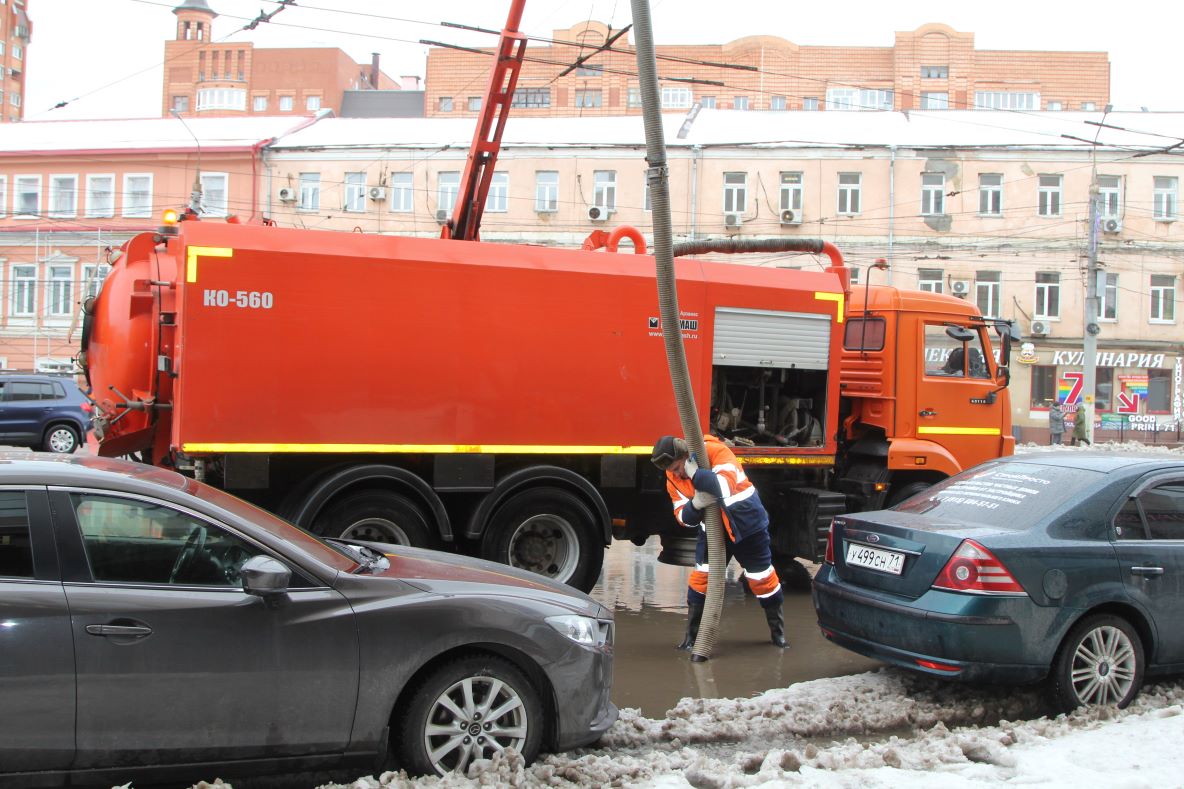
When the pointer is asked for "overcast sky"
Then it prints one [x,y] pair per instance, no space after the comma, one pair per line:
[104,56]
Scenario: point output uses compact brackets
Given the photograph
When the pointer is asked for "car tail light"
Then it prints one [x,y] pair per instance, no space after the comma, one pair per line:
[974,569]
[933,664]
[830,545]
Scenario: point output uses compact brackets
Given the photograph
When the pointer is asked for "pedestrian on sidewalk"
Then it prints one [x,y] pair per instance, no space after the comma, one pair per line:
[1080,436]
[1056,424]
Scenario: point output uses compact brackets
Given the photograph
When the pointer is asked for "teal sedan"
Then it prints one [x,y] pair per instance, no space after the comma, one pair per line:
[1066,568]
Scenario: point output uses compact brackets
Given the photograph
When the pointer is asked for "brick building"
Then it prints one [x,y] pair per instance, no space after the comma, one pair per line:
[932,67]
[15,32]
[207,78]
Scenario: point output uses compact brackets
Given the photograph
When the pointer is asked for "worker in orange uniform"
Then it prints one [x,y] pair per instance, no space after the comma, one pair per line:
[746,525]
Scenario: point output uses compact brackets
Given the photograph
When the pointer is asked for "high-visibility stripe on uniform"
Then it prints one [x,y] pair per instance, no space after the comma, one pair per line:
[764,583]
[698,580]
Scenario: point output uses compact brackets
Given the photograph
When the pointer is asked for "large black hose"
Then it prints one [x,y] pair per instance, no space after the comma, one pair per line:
[657,177]
[735,246]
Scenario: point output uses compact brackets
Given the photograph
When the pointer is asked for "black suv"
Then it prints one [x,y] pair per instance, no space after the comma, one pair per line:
[42,411]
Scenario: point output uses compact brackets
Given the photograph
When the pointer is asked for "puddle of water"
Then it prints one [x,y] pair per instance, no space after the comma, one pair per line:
[649,600]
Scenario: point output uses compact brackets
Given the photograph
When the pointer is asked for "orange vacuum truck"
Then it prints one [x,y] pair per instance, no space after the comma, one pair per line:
[502,400]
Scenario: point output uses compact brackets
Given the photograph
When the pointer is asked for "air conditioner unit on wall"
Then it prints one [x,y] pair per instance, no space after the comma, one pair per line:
[960,287]
[377,193]
[1039,328]
[287,194]
[791,217]
[732,220]
[597,213]
[1112,225]
[442,216]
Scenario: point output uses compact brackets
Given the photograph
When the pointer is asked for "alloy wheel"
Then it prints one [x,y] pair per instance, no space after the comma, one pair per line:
[474,719]
[1104,666]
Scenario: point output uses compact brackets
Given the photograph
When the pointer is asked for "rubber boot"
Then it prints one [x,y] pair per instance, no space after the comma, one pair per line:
[694,615]
[776,620]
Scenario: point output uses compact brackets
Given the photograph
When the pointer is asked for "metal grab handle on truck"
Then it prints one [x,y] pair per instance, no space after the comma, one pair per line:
[927,412]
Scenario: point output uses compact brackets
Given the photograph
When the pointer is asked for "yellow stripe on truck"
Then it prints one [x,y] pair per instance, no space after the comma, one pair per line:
[835,297]
[210,252]
[442,449]
[958,431]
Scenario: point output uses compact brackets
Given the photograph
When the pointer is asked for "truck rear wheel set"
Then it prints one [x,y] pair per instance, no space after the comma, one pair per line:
[377,516]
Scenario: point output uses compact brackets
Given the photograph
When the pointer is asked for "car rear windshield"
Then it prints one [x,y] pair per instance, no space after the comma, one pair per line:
[1008,495]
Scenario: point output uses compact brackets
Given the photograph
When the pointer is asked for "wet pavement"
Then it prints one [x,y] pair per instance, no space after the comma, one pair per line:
[649,600]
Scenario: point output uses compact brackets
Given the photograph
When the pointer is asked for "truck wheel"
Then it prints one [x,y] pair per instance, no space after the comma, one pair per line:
[549,532]
[468,709]
[61,439]
[897,495]
[377,516]
[793,574]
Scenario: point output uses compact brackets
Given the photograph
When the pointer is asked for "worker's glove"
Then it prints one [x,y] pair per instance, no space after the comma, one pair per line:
[691,467]
[702,500]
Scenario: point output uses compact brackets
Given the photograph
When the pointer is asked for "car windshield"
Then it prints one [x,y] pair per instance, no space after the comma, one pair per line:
[332,555]
[1007,495]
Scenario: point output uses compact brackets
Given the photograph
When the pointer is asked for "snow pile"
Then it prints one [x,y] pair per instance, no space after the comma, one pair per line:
[882,728]
[1105,446]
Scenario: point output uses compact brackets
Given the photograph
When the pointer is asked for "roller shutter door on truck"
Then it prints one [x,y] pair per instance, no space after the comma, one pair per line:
[764,338]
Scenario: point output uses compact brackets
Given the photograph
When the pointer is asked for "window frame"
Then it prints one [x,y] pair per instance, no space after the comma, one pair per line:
[354,192]
[1050,197]
[589,98]
[17,193]
[57,210]
[926,280]
[988,292]
[848,195]
[546,191]
[1046,303]
[92,209]
[1106,304]
[131,208]
[22,278]
[792,190]
[1110,196]
[990,196]
[497,199]
[1165,198]
[210,206]
[308,191]
[604,189]
[1162,295]
[59,291]
[402,200]
[447,190]
[933,194]
[735,195]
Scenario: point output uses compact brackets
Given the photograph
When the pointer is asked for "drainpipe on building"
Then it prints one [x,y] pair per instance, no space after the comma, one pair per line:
[696,153]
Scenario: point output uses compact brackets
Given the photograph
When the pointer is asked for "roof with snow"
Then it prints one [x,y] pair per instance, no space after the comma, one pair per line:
[934,128]
[136,134]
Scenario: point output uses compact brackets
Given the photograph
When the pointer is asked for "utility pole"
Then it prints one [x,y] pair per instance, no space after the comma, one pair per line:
[1090,325]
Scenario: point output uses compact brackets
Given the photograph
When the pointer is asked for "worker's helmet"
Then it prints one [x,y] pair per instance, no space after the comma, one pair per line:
[667,450]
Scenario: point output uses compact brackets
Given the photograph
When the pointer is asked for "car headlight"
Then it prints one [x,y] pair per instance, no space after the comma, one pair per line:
[580,629]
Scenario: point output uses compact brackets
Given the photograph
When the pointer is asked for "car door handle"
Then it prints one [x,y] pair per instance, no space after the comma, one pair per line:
[119,631]
[928,412]
[1146,571]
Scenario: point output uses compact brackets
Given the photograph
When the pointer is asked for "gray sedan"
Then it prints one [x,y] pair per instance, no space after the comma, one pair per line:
[154,628]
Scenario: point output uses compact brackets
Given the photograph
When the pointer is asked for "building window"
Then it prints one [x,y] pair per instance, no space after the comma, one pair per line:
[23,293]
[532,97]
[809,102]
[17,52]
[604,189]
[735,192]
[1044,385]
[988,292]
[310,192]
[930,279]
[92,279]
[402,192]
[676,96]
[137,194]
[1165,198]
[3,195]
[849,187]
[1159,391]
[707,102]
[215,200]
[633,97]
[445,104]
[1048,295]
[1108,299]
[180,104]
[312,103]
[740,103]
[1110,196]
[222,99]
[1163,298]
[1048,197]
[1088,106]
[447,187]
[498,199]
[14,99]
[935,72]
[587,98]
[933,193]
[473,104]
[63,195]
[1005,100]
[791,193]
[589,70]
[546,191]
[990,194]
[355,192]
[1103,388]
[27,197]
[61,291]
[1055,106]
[777,103]
[259,104]
[859,99]
[287,103]
[933,100]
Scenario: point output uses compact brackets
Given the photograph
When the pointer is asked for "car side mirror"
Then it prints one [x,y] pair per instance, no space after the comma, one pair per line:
[263,576]
[1003,375]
